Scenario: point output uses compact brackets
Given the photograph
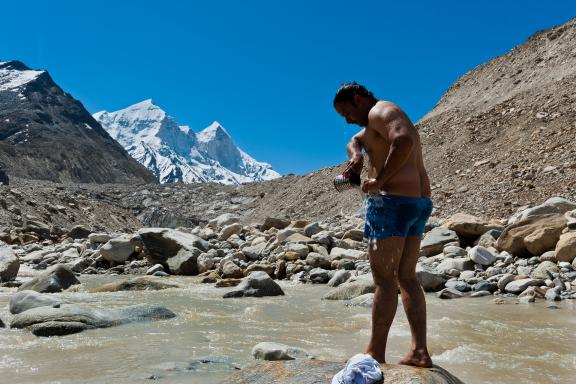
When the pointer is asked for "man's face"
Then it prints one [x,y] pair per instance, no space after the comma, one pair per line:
[352,113]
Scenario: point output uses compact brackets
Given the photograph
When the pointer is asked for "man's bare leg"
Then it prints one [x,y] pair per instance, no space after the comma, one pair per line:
[385,258]
[414,304]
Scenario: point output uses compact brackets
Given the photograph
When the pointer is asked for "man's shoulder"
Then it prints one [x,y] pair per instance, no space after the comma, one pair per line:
[384,110]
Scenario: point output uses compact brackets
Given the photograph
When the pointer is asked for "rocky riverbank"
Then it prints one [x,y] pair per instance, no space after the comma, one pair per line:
[531,256]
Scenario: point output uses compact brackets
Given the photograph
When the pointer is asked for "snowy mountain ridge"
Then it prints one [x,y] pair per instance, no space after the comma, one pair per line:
[175,153]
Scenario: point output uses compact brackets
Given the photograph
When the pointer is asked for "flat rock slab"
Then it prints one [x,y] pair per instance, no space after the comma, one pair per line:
[144,283]
[321,372]
[47,321]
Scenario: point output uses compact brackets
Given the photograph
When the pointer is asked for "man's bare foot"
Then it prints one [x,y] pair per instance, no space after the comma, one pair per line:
[417,358]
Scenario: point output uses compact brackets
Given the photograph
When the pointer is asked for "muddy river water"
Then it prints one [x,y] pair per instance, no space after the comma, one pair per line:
[475,339]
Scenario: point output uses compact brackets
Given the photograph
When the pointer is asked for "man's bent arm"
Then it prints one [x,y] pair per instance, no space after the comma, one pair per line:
[393,127]
[354,147]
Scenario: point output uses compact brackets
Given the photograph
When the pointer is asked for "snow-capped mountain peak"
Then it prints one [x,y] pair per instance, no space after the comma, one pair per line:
[14,75]
[176,153]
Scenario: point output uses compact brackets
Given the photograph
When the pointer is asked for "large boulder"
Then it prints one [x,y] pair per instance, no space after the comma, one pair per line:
[566,247]
[258,284]
[25,300]
[276,351]
[552,205]
[532,236]
[435,240]
[307,371]
[230,230]
[9,264]
[54,279]
[350,290]
[162,244]
[47,321]
[430,279]
[469,226]
[118,249]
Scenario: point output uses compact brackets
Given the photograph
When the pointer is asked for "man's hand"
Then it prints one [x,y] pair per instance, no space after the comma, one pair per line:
[354,164]
[371,186]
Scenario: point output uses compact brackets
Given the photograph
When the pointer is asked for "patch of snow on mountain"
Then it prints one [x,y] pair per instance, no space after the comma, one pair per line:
[13,79]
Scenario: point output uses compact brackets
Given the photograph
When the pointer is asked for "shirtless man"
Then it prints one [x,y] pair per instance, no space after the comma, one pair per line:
[398,207]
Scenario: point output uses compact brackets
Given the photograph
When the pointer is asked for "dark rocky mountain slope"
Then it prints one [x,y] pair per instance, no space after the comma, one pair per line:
[46,134]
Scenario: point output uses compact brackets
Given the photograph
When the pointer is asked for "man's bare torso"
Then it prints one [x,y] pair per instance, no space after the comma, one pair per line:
[411,179]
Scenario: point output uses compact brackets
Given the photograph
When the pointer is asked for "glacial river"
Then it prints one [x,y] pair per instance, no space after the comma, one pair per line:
[475,339]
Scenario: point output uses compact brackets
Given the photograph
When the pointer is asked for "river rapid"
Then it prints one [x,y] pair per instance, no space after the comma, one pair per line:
[475,339]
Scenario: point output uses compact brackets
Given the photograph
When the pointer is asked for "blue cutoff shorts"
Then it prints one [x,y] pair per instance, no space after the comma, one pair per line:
[392,215]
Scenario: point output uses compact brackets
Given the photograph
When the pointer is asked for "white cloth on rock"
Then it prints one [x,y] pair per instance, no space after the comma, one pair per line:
[360,369]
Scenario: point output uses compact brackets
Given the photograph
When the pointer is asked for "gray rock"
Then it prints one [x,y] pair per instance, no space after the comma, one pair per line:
[485,286]
[489,238]
[2,325]
[435,240]
[54,279]
[312,229]
[141,283]
[430,279]
[117,250]
[350,290]
[481,294]
[258,284]
[154,268]
[318,260]
[9,264]
[542,270]
[25,300]
[351,254]
[366,300]
[161,244]
[339,277]
[458,285]
[99,238]
[275,351]
[448,293]
[552,295]
[319,276]
[58,328]
[482,256]
[263,266]
[184,262]
[90,317]
[274,222]
[231,270]
[504,280]
[224,219]
[230,230]
[454,251]
[79,232]
[254,252]
[518,286]
[459,263]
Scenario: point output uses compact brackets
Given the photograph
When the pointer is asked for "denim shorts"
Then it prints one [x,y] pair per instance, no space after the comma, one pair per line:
[392,215]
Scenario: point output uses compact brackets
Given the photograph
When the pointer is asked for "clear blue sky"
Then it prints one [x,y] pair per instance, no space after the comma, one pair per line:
[267,70]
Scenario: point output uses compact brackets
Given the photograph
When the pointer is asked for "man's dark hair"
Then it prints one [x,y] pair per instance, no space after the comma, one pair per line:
[347,91]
